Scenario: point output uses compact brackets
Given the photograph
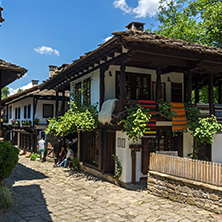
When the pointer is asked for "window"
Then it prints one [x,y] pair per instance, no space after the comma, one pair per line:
[78,88]
[19,112]
[92,148]
[47,110]
[16,113]
[163,91]
[29,111]
[10,112]
[138,86]
[86,91]
[25,112]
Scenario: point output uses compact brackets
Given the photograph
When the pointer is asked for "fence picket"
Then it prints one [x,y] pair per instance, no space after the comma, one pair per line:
[203,171]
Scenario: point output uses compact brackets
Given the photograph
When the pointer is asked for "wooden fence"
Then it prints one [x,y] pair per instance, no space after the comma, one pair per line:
[202,171]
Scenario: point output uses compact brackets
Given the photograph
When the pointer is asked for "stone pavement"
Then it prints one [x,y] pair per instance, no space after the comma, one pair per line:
[44,193]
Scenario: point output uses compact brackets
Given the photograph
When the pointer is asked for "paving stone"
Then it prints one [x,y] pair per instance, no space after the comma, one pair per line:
[44,193]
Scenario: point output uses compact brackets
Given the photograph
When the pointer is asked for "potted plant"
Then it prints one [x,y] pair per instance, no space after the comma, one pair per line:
[26,122]
[36,121]
[15,122]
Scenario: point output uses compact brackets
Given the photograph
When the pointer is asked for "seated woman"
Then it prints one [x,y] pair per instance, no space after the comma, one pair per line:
[62,156]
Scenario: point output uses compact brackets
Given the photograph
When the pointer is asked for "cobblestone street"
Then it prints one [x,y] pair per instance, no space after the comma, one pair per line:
[44,193]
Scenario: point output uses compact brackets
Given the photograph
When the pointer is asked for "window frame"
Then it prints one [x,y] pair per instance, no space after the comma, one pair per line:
[49,105]
[29,111]
[25,112]
[87,94]
[131,87]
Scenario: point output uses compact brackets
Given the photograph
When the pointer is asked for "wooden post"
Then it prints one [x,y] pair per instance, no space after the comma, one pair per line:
[122,84]
[57,103]
[219,94]
[211,95]
[63,103]
[35,101]
[133,155]
[158,84]
[0,102]
[185,87]
[197,93]
[189,87]
[102,85]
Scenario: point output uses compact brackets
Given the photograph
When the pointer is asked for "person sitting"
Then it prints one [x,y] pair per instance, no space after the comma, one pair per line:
[68,158]
[61,157]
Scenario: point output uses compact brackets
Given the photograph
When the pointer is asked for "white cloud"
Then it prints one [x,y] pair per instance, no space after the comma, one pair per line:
[145,8]
[14,91]
[122,5]
[47,50]
[107,38]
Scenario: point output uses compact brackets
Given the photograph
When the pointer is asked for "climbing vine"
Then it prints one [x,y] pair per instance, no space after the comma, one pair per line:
[206,130]
[135,122]
[118,168]
[165,109]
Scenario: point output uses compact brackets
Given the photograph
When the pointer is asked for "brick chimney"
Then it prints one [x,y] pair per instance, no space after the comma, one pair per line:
[35,82]
[52,70]
[136,26]
[1,19]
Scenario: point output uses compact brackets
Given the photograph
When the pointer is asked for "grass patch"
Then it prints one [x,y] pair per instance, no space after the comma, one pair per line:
[5,197]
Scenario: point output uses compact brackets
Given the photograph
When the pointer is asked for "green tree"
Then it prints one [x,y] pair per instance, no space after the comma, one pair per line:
[191,20]
[5,92]
[19,90]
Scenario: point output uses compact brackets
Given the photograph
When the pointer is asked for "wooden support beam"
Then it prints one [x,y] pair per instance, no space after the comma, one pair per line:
[57,103]
[189,86]
[158,84]
[122,84]
[185,87]
[63,103]
[219,94]
[211,95]
[102,85]
[197,93]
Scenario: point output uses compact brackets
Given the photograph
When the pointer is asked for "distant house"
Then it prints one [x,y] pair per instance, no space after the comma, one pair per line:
[26,114]
[135,65]
[8,73]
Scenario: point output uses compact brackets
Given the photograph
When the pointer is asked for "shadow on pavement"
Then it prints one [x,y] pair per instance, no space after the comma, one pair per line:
[22,172]
[29,202]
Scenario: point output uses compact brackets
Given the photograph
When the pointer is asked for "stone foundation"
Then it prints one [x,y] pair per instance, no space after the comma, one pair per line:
[206,196]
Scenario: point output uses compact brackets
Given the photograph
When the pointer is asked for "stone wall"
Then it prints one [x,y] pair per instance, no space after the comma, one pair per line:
[191,192]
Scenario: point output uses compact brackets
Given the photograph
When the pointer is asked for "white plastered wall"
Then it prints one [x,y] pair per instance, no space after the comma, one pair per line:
[124,155]
[217,148]
[110,80]
[187,143]
[21,104]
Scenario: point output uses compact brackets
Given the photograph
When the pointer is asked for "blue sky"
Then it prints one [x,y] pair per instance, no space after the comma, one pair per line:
[62,30]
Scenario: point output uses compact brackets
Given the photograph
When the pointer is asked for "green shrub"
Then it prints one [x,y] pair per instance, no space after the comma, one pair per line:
[34,156]
[8,159]
[75,162]
[5,197]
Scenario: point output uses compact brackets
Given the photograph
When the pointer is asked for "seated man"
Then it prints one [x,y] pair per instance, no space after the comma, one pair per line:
[69,156]
[62,156]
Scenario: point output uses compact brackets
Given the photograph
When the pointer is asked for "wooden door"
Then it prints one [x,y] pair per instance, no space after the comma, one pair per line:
[111,150]
[148,146]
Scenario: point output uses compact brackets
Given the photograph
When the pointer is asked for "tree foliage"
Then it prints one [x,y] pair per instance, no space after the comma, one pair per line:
[4,92]
[76,119]
[191,20]
[135,122]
